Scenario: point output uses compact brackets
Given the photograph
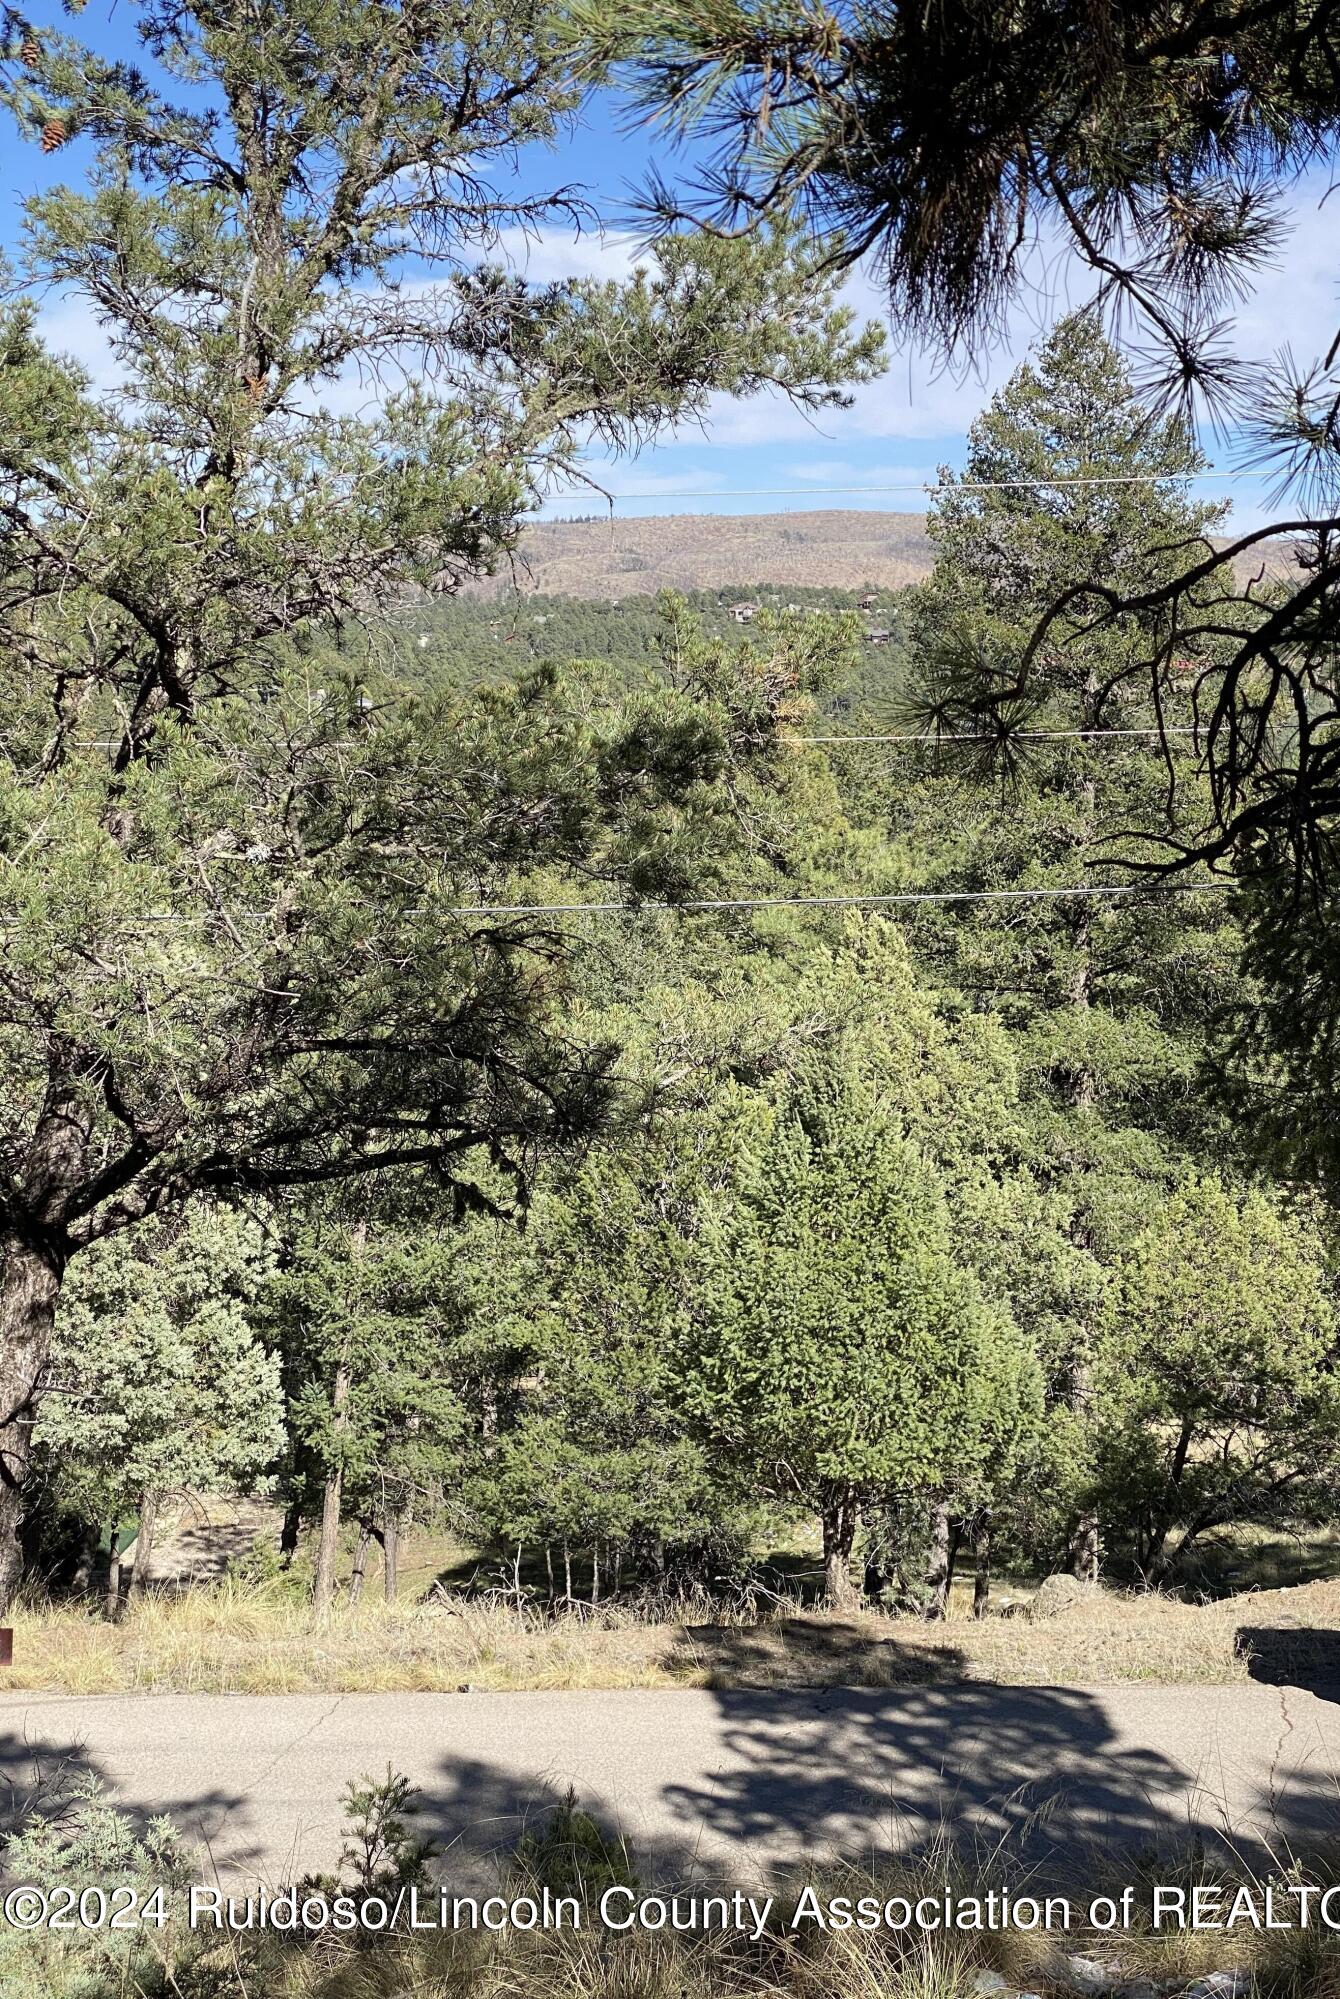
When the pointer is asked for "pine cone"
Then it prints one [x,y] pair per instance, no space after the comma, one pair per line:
[30,50]
[54,135]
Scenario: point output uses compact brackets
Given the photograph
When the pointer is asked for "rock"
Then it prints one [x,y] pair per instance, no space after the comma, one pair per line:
[989,1981]
[1088,1975]
[1235,1984]
[466,1687]
[1056,1594]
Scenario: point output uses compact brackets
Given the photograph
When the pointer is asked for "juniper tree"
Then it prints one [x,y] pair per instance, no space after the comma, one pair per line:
[163,1383]
[846,1352]
[1217,1396]
[232,957]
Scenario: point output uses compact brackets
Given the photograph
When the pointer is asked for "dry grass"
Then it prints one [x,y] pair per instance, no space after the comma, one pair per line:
[231,1639]
[786,1962]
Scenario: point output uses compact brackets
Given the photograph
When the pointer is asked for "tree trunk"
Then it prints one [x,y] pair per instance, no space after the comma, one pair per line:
[390,1557]
[595,1573]
[81,1581]
[29,1287]
[112,1602]
[549,1568]
[567,1573]
[1084,1548]
[288,1533]
[144,1544]
[1083,1082]
[328,1541]
[981,1581]
[360,1568]
[938,1564]
[839,1527]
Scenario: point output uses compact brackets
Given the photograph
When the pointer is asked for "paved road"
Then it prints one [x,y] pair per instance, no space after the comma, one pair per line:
[739,1781]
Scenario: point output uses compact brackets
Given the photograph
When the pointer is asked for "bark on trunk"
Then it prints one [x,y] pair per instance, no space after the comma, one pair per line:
[144,1544]
[981,1581]
[360,1568]
[112,1601]
[328,1541]
[29,1287]
[81,1581]
[1084,1549]
[390,1556]
[839,1527]
[938,1565]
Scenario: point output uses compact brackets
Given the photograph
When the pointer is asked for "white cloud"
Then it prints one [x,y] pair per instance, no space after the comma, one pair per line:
[629,481]
[918,399]
[70,328]
[548,255]
[840,471]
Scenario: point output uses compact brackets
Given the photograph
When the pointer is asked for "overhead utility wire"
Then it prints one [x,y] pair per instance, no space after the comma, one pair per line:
[924,486]
[744,902]
[1014,736]
[827,901]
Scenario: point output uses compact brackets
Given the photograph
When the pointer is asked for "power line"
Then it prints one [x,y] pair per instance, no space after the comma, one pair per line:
[928,486]
[1015,736]
[726,903]
[830,901]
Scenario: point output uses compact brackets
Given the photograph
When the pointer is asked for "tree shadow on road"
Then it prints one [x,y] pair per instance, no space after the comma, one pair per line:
[740,1783]
[1292,1656]
[44,1767]
[865,1771]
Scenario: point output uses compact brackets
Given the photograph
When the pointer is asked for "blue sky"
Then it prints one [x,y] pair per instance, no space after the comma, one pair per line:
[762,455]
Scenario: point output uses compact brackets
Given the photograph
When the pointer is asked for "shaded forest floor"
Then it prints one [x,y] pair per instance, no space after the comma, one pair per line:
[245,1639]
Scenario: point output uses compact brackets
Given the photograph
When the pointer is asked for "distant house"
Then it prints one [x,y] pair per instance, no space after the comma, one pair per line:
[870,599]
[877,636]
[744,614]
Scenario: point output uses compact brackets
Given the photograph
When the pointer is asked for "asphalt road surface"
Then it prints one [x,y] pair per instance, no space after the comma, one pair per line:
[731,1783]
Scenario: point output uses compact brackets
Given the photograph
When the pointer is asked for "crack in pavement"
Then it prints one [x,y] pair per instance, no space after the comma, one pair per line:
[1272,1790]
[275,1761]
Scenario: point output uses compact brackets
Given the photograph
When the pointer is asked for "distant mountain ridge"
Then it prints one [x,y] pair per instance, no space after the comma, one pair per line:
[840,549]
[833,549]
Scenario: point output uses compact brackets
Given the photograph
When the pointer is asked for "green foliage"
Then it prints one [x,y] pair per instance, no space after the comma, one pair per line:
[572,1854]
[843,1344]
[233,874]
[86,1846]
[1159,154]
[1215,1389]
[381,1846]
[161,1381]
[383,1307]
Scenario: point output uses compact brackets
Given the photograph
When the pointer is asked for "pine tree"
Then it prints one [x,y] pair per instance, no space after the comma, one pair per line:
[234,960]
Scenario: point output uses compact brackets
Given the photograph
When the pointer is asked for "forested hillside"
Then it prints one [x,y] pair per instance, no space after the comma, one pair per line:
[612,555]
[919,1227]
[465,641]
[495,1067]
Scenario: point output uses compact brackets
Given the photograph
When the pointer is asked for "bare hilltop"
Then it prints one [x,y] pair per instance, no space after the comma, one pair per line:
[829,549]
[603,558]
